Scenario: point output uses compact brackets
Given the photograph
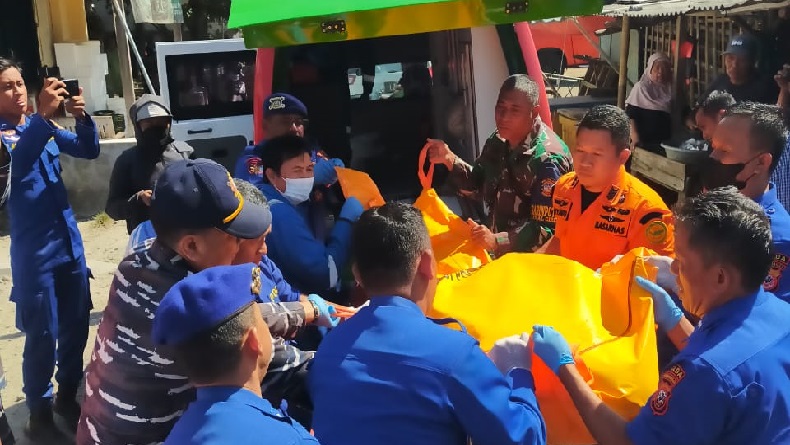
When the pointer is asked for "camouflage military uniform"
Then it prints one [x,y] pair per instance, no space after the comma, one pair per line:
[134,390]
[516,185]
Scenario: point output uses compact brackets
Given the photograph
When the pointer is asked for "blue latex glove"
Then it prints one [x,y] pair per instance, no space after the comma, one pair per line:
[551,347]
[665,311]
[324,172]
[665,278]
[337,162]
[351,210]
[326,312]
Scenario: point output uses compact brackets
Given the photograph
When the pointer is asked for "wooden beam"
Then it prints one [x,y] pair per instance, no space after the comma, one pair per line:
[46,48]
[125,65]
[597,46]
[625,43]
[679,72]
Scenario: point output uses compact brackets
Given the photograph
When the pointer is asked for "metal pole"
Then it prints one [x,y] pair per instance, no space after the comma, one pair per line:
[625,43]
[132,45]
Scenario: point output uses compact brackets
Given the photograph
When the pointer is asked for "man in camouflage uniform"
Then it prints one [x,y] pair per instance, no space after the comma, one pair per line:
[515,173]
[134,392]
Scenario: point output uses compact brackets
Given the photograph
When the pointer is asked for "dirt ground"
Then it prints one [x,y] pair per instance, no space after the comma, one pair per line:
[104,246]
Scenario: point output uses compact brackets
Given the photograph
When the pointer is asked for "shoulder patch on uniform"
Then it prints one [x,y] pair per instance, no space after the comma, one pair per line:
[659,401]
[254,166]
[547,187]
[651,215]
[778,266]
[656,232]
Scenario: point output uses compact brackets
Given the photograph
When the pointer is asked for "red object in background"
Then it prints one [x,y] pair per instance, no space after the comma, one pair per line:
[533,68]
[686,49]
[264,67]
[564,34]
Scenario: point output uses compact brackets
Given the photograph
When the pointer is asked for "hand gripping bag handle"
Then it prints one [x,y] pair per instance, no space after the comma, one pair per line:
[426,179]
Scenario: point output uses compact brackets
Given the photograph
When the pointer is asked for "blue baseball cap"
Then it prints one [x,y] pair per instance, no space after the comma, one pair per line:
[743,45]
[200,194]
[282,103]
[205,300]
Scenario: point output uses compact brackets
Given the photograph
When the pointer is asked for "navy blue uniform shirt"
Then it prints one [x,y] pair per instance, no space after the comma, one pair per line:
[309,261]
[730,385]
[223,415]
[44,232]
[391,376]
[776,282]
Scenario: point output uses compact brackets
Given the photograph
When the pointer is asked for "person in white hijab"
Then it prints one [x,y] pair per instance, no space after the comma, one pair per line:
[649,103]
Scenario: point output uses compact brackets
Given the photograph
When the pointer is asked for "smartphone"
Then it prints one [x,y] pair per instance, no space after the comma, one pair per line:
[72,87]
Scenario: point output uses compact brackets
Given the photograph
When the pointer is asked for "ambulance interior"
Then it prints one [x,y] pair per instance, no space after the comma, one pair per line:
[373,103]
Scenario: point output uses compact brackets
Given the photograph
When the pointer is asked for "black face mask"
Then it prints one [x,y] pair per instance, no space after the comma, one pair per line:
[155,138]
[714,174]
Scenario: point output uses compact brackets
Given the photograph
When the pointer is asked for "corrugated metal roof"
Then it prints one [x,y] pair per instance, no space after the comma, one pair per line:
[652,8]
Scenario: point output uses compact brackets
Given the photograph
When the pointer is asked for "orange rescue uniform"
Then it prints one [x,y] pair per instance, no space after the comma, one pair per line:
[627,215]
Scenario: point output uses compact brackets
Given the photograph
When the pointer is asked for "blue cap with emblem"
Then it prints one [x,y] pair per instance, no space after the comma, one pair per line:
[200,194]
[743,45]
[282,103]
[205,300]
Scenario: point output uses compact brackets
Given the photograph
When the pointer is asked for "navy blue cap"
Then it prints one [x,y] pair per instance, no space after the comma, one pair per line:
[205,300]
[282,103]
[743,45]
[200,194]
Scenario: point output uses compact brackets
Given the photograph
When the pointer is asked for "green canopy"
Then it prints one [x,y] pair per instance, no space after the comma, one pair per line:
[294,22]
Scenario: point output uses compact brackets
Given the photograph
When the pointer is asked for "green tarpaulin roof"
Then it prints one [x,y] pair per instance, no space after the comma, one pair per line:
[254,12]
[270,23]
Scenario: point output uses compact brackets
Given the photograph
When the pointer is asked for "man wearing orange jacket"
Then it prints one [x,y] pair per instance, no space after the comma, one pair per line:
[601,211]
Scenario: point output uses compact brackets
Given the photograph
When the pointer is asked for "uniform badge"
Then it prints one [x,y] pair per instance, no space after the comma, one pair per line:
[612,193]
[659,401]
[612,219]
[656,232]
[9,138]
[276,103]
[561,202]
[254,166]
[255,285]
[778,266]
[547,187]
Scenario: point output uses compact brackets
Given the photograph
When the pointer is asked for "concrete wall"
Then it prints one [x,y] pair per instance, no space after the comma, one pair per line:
[87,181]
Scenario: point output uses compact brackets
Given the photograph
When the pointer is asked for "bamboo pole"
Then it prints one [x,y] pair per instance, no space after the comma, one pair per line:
[680,39]
[125,65]
[625,42]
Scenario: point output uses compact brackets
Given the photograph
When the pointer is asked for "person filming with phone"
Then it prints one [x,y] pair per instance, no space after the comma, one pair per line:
[50,277]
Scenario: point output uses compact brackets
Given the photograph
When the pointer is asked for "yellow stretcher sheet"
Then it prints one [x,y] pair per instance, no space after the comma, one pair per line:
[606,317]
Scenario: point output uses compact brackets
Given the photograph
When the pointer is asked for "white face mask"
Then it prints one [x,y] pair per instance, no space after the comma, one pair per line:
[298,190]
